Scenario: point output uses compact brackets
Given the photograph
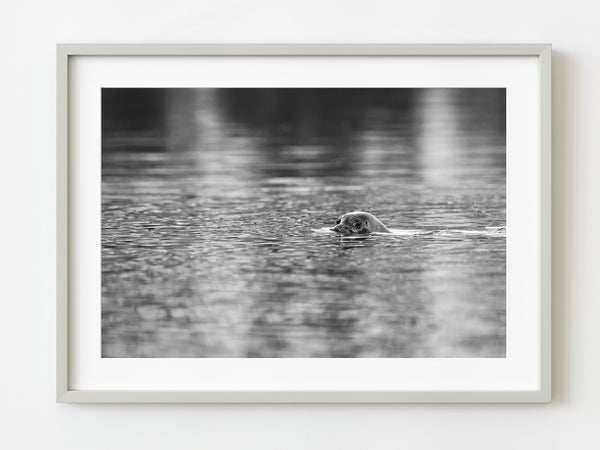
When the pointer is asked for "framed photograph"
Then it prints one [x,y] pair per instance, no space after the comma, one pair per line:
[303,223]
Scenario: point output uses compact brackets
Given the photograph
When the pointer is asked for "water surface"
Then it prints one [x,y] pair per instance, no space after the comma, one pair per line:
[214,204]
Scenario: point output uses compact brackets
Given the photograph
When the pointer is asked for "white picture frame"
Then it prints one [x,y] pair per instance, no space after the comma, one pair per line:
[66,392]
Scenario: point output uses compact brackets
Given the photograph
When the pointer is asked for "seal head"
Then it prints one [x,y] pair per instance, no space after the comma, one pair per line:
[359,222]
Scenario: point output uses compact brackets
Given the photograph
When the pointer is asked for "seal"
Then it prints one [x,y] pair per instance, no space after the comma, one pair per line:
[359,222]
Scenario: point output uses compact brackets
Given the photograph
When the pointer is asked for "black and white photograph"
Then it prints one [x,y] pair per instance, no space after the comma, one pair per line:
[303,222]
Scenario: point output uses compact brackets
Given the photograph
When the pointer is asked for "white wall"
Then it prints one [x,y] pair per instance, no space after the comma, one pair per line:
[31,419]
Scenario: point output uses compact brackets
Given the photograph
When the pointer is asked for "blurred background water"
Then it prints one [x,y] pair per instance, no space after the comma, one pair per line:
[210,199]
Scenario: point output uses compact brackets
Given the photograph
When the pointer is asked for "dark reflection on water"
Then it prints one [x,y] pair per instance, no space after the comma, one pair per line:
[210,199]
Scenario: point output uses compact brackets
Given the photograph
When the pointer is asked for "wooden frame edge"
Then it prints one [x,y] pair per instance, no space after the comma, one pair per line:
[545,155]
[62,222]
[302,397]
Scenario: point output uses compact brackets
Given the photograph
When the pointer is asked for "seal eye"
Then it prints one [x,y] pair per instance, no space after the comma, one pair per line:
[338,221]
